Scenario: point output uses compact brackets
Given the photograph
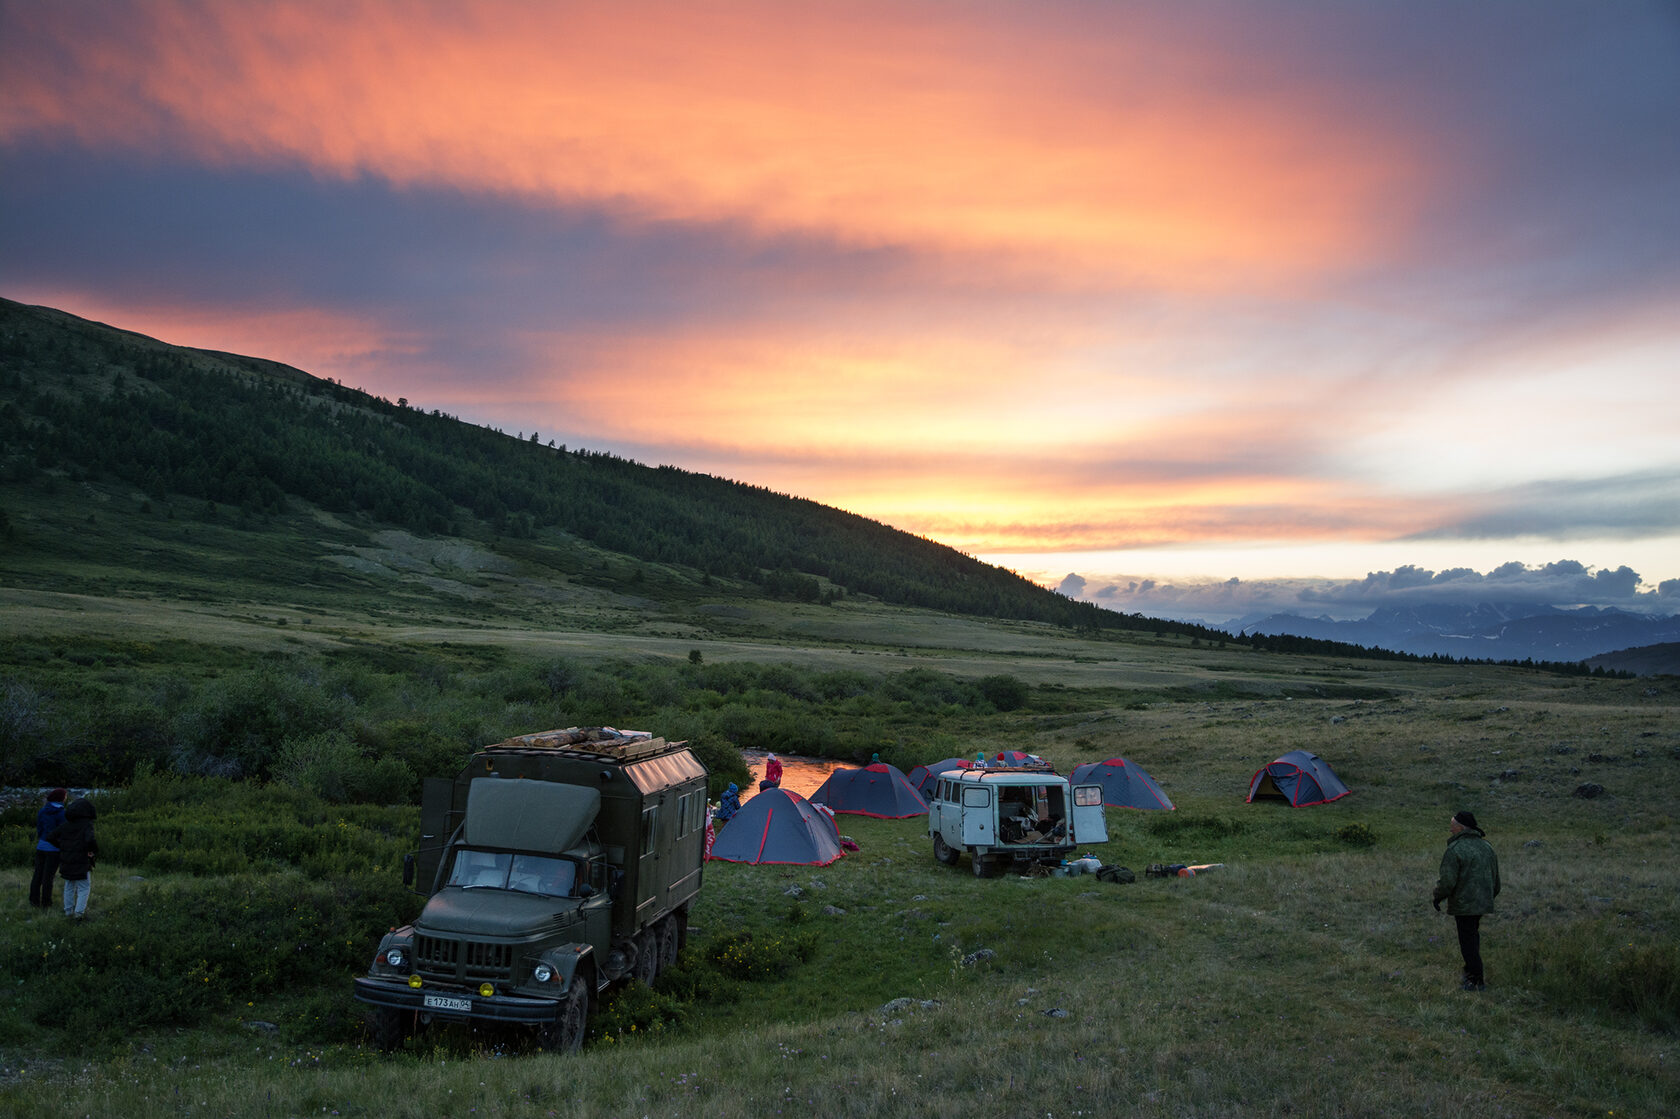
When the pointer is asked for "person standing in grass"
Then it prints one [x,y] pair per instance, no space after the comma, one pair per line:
[1468,884]
[46,855]
[76,850]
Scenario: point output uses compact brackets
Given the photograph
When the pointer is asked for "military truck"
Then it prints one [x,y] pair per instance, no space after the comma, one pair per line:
[1008,815]
[555,865]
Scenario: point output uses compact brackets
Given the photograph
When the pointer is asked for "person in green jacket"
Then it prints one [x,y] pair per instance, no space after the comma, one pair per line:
[1468,884]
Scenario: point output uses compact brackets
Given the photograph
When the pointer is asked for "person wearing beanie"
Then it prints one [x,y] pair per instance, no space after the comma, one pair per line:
[46,855]
[1468,884]
[772,773]
[77,848]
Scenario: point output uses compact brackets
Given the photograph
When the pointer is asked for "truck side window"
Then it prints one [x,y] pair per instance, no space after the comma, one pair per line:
[650,827]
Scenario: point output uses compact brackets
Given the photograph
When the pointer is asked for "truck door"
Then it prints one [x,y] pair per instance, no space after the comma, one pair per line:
[1089,826]
[979,816]
[436,806]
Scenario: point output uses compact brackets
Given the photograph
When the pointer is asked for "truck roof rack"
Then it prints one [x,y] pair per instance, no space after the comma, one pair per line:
[601,742]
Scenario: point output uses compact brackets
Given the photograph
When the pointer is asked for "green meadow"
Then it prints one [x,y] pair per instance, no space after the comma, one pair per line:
[242,886]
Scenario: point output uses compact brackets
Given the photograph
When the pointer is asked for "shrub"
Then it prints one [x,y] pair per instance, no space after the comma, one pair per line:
[1006,693]
[753,958]
[332,767]
[174,953]
[1356,835]
[633,1010]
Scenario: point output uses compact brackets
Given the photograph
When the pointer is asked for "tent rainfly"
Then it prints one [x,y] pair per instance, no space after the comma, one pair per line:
[1124,784]
[879,790]
[779,826]
[1299,778]
[924,777]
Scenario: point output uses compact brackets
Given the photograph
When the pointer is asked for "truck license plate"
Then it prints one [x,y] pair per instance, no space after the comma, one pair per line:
[445,1002]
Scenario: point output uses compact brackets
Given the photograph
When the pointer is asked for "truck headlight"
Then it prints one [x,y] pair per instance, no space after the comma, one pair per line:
[542,973]
[394,957]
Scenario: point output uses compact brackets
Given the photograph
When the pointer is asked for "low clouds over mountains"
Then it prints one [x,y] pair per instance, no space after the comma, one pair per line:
[1557,611]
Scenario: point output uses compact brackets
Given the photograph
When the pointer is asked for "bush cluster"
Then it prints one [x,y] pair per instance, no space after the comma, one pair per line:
[177,952]
[366,730]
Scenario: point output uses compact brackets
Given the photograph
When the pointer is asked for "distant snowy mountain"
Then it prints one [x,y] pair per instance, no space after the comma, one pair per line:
[1487,631]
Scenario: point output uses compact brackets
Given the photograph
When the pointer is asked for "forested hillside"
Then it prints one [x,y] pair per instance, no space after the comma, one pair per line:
[89,402]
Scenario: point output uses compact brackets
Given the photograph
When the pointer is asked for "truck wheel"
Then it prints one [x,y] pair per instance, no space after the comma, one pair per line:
[647,956]
[565,1033]
[668,938]
[944,852]
[385,1025]
[986,867]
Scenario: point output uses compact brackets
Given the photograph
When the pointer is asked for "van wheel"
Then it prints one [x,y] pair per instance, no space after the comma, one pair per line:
[985,866]
[944,852]
[565,1033]
[385,1025]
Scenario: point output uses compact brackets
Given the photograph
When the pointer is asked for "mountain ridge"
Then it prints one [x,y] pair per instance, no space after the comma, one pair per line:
[1486,631]
[251,439]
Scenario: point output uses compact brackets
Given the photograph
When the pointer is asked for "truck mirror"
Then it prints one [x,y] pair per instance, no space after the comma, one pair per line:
[585,890]
[408,870]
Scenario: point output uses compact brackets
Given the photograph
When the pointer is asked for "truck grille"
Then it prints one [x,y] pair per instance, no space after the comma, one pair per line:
[463,959]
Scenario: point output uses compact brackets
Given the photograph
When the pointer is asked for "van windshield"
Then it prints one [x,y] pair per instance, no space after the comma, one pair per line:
[547,875]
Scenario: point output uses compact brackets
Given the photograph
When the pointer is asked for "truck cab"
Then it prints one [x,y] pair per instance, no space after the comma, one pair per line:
[1009,815]
[554,865]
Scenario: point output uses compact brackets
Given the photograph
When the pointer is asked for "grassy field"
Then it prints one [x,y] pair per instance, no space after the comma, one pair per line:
[1306,977]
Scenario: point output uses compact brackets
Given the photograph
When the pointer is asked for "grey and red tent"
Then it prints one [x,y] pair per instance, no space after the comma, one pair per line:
[779,826]
[1124,784]
[1299,778]
[924,777]
[1016,757]
[879,790]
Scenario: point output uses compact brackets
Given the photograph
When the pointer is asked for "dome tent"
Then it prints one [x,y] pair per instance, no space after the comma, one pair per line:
[1297,777]
[1124,784]
[924,776]
[779,826]
[879,790]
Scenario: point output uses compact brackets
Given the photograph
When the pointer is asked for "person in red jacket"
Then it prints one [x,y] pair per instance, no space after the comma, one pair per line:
[772,773]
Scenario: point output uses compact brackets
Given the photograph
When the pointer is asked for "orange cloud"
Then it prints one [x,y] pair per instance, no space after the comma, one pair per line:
[1099,155]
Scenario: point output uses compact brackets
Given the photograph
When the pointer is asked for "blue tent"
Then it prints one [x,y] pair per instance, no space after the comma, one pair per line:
[1124,785]
[779,826]
[1299,778]
[879,790]
[924,777]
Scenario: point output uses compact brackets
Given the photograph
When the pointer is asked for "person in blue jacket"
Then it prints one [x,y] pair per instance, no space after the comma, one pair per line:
[728,804]
[46,855]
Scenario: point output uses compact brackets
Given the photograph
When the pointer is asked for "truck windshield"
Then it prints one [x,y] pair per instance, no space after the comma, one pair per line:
[527,874]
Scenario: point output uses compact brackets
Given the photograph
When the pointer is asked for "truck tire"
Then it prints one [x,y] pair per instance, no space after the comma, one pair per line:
[985,866]
[387,1028]
[944,852]
[647,956]
[669,941]
[565,1033]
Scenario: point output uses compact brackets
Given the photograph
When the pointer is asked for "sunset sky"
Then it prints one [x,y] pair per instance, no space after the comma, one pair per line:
[1187,308]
